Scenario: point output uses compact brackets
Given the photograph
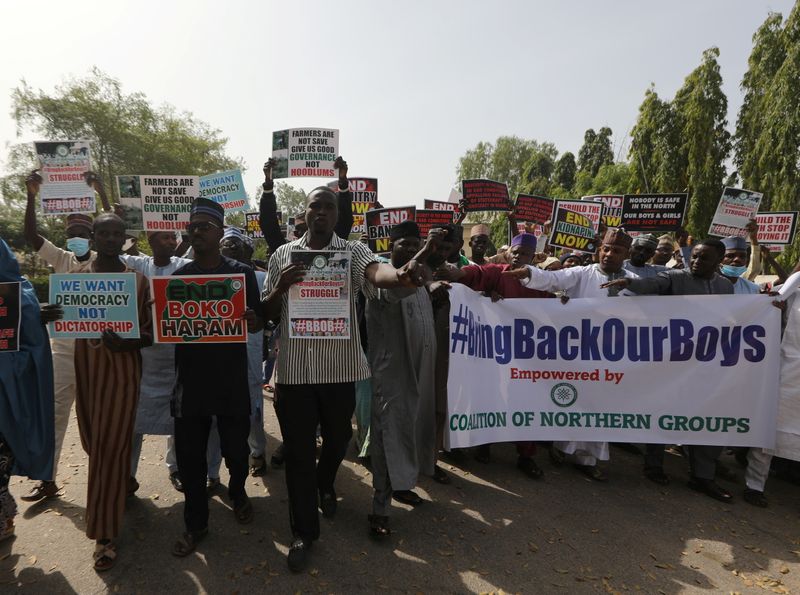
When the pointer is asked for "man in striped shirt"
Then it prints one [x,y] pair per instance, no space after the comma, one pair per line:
[316,376]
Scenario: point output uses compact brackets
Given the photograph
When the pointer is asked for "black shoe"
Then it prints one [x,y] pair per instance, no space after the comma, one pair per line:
[41,491]
[327,503]
[755,498]
[212,484]
[710,488]
[439,476]
[529,467]
[657,475]
[133,485]
[556,456]
[298,555]
[278,457]
[175,479]
[483,453]
[724,472]
[409,497]
[593,472]
[258,466]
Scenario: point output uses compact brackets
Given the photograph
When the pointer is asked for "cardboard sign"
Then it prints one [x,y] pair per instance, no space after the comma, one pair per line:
[252,228]
[62,165]
[94,303]
[776,228]
[319,305]
[533,209]
[612,214]
[226,189]
[654,212]
[381,221]
[199,309]
[10,315]
[427,219]
[735,209]
[572,230]
[484,195]
[593,210]
[365,195]
[305,152]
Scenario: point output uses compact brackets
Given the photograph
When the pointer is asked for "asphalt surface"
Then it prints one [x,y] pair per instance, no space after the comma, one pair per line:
[491,530]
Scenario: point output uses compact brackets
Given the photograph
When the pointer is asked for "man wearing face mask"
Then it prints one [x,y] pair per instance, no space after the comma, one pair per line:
[77,258]
[734,266]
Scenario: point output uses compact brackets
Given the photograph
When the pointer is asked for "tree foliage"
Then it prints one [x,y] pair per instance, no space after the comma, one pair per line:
[291,201]
[565,171]
[596,150]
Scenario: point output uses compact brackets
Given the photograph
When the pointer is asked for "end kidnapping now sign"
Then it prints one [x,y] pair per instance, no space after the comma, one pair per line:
[93,303]
[672,369]
[199,309]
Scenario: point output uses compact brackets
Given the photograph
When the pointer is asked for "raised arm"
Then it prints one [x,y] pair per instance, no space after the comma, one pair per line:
[344,223]
[268,211]
[93,180]
[32,184]
[754,266]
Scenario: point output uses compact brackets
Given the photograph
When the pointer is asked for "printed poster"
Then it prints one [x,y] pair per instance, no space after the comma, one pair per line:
[319,306]
[485,195]
[226,189]
[572,230]
[533,209]
[654,213]
[199,309]
[305,152]
[10,315]
[427,219]
[381,221]
[735,209]
[252,228]
[776,229]
[62,165]
[163,203]
[94,303]
[365,195]
[612,213]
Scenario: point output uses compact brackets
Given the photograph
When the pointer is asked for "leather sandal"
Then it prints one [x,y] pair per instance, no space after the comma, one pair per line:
[105,556]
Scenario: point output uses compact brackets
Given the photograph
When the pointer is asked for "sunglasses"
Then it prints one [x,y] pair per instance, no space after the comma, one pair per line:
[202,226]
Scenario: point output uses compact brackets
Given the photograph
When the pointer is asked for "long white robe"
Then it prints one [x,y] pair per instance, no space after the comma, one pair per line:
[577,282]
[787,440]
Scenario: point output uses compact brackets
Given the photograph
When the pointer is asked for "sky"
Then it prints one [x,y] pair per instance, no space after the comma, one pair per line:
[410,85]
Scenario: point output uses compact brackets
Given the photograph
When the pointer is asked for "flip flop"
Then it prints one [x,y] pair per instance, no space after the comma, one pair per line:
[188,543]
[105,556]
[243,512]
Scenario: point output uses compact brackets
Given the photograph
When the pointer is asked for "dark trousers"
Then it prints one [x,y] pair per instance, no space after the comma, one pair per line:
[191,440]
[301,407]
[702,459]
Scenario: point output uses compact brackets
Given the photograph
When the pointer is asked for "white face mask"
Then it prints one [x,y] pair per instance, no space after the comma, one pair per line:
[78,246]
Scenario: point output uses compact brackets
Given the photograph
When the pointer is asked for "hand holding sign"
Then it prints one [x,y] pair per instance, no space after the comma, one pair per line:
[291,274]
[268,183]
[51,312]
[33,182]
[341,165]
[752,231]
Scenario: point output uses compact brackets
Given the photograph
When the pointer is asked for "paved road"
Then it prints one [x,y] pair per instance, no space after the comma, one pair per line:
[491,530]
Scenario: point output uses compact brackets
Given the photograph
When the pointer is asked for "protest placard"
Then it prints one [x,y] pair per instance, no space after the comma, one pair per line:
[319,305]
[129,190]
[572,230]
[455,196]
[93,303]
[612,213]
[199,309]
[653,212]
[62,165]
[484,195]
[380,223]
[438,205]
[365,195]
[532,208]
[167,201]
[535,370]
[10,315]
[226,189]
[776,228]
[305,152]
[427,219]
[735,209]
[252,228]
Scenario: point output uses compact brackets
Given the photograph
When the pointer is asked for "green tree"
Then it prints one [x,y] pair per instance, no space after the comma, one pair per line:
[612,178]
[565,171]
[596,150]
[701,107]
[768,127]
[128,134]
[291,201]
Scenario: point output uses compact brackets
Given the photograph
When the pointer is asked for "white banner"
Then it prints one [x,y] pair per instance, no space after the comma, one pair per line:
[673,369]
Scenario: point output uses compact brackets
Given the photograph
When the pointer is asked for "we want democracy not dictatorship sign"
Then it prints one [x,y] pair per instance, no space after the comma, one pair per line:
[673,369]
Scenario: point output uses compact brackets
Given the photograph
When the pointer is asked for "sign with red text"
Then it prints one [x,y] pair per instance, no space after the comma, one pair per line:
[484,195]
[533,209]
[592,210]
[319,305]
[10,315]
[305,152]
[612,214]
[62,165]
[427,219]
[735,209]
[776,228]
[252,226]
[365,195]
[199,309]
[653,212]
[381,221]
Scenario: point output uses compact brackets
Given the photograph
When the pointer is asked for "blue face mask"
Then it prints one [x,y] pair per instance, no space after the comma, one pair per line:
[78,246]
[732,271]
